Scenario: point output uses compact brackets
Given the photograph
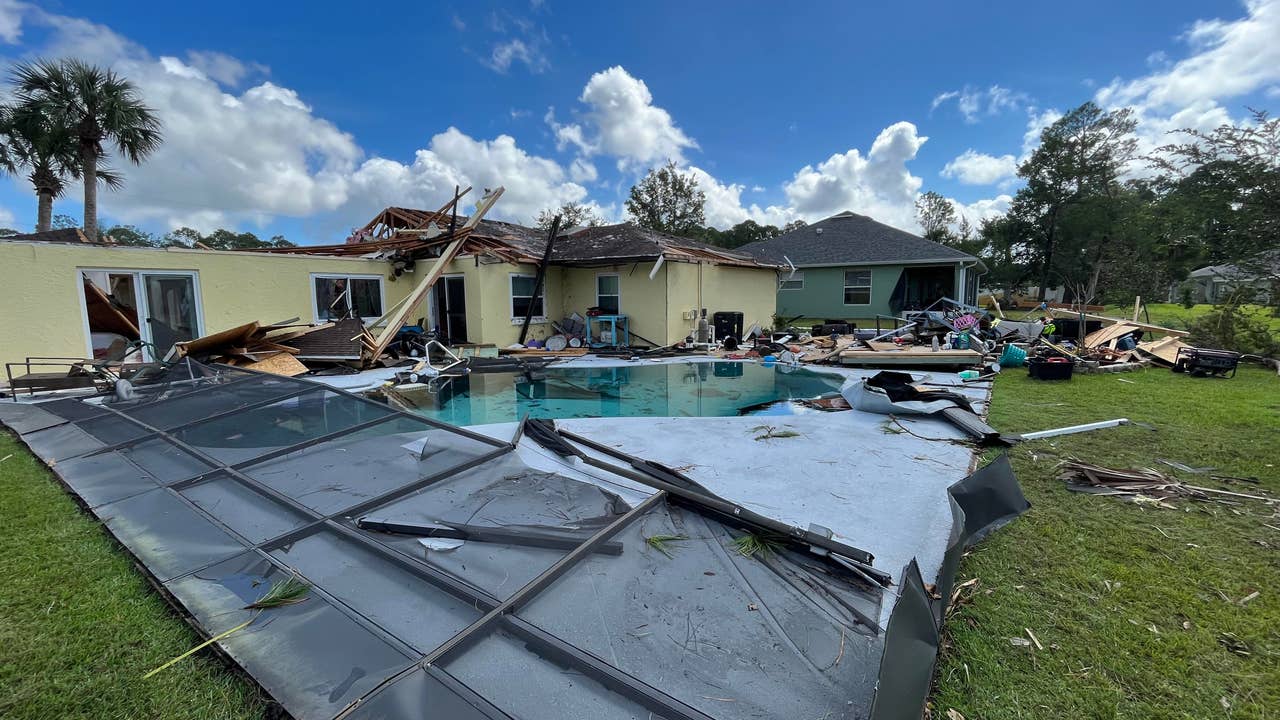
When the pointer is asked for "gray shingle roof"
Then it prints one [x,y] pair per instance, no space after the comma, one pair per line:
[851,239]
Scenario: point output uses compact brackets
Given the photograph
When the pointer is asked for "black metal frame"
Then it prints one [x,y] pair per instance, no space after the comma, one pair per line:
[685,491]
[497,613]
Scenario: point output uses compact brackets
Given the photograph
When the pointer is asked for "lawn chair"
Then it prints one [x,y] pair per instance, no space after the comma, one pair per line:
[78,372]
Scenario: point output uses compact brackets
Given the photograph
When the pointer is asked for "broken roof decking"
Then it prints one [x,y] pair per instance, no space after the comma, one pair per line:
[409,231]
[221,482]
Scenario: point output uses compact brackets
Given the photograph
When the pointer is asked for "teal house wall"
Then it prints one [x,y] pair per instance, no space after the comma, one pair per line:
[822,296]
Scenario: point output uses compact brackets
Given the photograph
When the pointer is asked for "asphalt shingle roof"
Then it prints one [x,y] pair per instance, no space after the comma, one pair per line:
[851,239]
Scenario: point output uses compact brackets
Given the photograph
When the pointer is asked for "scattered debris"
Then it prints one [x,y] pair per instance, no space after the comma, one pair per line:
[1145,485]
[771,432]
[753,544]
[1034,639]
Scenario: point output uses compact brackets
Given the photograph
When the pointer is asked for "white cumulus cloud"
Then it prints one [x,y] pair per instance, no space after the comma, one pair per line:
[974,168]
[622,122]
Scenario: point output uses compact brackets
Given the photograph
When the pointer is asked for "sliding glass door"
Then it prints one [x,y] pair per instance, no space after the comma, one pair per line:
[123,306]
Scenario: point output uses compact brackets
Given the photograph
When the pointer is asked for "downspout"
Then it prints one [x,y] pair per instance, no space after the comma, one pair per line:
[964,277]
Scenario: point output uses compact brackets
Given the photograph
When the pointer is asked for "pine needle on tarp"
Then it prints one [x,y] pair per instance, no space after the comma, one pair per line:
[662,543]
[289,591]
[753,544]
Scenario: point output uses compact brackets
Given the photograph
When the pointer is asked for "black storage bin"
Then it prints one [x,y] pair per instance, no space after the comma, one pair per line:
[1045,369]
[727,324]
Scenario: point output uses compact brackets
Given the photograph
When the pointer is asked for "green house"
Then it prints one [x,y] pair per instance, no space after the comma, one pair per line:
[852,268]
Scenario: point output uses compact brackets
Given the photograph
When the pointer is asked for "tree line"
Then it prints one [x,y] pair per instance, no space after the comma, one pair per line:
[1107,224]
[1092,216]
[670,201]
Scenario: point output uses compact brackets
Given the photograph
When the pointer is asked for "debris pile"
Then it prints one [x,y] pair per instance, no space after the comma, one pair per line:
[1145,485]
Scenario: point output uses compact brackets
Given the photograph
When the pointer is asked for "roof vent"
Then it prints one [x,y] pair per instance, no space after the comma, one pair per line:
[818,230]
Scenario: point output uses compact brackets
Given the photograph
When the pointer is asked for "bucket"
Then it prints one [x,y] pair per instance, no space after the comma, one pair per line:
[1013,356]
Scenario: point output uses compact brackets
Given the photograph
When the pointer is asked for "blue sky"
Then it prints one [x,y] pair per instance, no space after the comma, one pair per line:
[307,118]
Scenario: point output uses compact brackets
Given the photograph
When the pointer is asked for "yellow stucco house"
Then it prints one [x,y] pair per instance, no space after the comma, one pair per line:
[70,298]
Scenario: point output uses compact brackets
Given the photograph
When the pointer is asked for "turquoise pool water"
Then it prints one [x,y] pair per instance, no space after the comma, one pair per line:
[718,389]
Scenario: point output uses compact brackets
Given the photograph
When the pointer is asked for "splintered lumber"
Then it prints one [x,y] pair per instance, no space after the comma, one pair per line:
[1110,333]
[419,293]
[911,355]
[1139,325]
[1165,349]
[233,337]
[105,315]
[281,363]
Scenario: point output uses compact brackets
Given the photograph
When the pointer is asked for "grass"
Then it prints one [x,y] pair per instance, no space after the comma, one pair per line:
[1172,315]
[1137,607]
[79,626]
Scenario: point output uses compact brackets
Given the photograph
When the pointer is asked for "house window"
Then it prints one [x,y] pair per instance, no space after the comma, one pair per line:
[608,295]
[339,297]
[522,297]
[857,287]
[795,282]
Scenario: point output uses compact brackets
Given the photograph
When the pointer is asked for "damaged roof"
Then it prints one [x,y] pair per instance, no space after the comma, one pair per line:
[60,235]
[851,239]
[398,230]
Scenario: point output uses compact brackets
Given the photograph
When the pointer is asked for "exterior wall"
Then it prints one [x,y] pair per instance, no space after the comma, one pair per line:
[43,312]
[750,291]
[489,318]
[642,300]
[822,296]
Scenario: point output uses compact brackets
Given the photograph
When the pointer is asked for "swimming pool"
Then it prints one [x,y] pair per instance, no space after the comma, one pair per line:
[708,389]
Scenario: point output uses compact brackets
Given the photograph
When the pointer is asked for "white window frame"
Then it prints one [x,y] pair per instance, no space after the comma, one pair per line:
[511,300]
[796,277]
[619,295]
[140,296]
[382,290]
[844,296]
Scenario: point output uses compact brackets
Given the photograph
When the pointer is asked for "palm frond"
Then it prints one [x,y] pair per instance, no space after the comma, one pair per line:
[289,591]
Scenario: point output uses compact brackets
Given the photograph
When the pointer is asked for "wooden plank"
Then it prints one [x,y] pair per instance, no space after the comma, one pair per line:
[1109,334]
[419,292]
[278,364]
[236,336]
[1164,349]
[903,357]
[1141,326]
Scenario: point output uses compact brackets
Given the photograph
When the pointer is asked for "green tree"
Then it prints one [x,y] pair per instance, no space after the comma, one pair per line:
[62,222]
[668,200]
[48,151]
[99,107]
[793,225]
[1219,195]
[131,236]
[571,215]
[936,215]
[1078,162]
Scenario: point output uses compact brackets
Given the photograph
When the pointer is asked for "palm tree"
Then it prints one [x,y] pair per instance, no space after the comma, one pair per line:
[48,151]
[97,106]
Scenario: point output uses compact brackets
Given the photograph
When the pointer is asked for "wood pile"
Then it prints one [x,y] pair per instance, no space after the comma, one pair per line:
[253,346]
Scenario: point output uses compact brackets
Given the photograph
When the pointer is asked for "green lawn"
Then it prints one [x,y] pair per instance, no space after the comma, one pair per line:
[1127,600]
[79,626]
[1175,316]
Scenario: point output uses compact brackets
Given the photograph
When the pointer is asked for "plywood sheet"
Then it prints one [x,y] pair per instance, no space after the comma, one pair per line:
[278,364]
